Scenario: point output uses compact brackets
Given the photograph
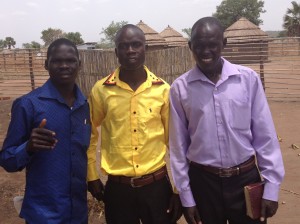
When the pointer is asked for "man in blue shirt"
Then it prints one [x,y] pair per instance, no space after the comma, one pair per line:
[49,135]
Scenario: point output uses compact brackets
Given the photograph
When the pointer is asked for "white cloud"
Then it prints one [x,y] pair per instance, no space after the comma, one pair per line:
[81,1]
[73,9]
[32,4]
[19,13]
[102,1]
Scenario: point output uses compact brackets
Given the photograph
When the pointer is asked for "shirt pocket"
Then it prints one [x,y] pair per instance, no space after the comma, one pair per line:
[151,118]
[240,116]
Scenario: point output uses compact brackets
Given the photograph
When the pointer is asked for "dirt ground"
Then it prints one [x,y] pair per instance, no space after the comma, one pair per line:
[287,121]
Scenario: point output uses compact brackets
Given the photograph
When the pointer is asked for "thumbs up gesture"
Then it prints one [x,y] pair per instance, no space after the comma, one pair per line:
[41,139]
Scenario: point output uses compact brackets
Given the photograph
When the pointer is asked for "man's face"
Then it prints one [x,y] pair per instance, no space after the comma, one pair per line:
[63,65]
[130,49]
[207,44]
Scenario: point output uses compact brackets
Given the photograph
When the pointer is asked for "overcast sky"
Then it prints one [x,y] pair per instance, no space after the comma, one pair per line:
[24,20]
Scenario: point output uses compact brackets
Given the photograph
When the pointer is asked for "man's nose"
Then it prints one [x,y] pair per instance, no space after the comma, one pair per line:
[130,48]
[64,64]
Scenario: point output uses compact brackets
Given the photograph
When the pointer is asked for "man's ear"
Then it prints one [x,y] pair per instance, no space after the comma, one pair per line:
[46,64]
[190,45]
[224,42]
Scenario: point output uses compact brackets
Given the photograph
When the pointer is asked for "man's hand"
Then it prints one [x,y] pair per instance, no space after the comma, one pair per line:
[191,215]
[175,208]
[96,188]
[268,209]
[41,139]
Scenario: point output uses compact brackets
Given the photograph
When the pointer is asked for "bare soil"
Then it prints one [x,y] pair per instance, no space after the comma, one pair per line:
[287,121]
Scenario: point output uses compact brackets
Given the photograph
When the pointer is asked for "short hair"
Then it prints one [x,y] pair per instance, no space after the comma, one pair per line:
[208,20]
[59,42]
[125,27]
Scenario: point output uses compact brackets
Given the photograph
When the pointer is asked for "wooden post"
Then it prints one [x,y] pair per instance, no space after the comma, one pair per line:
[31,70]
[261,63]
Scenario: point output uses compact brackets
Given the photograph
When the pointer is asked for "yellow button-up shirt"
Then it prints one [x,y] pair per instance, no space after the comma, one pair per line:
[134,126]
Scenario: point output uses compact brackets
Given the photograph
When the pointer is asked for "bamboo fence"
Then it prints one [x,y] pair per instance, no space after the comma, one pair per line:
[276,60]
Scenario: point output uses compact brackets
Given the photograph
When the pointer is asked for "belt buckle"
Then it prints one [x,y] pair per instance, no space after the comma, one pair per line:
[132,182]
[228,172]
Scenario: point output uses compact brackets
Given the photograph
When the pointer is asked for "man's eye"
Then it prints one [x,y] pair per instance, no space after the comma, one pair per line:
[122,46]
[71,61]
[136,44]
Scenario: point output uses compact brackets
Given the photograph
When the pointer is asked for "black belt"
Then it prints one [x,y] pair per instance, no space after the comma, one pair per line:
[140,181]
[228,172]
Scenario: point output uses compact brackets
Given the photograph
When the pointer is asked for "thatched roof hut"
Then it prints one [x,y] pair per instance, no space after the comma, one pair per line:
[173,38]
[153,40]
[243,29]
[246,43]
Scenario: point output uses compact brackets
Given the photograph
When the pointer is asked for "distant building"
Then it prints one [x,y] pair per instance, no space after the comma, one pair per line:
[246,43]
[87,46]
[153,40]
[173,38]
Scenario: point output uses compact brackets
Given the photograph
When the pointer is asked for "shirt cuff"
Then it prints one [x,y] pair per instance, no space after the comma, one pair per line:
[187,199]
[271,191]
[92,173]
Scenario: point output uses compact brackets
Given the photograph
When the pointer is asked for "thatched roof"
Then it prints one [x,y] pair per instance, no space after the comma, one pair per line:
[172,37]
[152,37]
[244,29]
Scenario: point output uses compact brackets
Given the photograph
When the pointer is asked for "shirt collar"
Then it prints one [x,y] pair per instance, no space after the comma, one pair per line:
[113,79]
[50,91]
[227,70]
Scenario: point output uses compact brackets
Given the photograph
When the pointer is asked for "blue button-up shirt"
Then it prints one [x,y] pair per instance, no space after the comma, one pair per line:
[56,189]
[222,125]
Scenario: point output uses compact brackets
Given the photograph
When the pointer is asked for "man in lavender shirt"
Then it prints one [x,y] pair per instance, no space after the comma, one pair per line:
[220,124]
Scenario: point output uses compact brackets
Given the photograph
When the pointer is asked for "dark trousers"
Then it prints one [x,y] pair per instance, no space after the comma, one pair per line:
[221,199]
[148,204]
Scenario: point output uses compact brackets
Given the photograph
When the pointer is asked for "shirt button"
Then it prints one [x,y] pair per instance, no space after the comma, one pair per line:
[134,130]
[137,166]
[134,112]
[135,148]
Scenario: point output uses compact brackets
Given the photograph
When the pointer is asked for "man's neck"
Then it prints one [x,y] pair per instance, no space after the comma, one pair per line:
[134,78]
[68,93]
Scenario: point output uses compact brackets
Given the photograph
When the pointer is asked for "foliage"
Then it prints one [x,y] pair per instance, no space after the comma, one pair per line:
[33,44]
[9,42]
[187,31]
[50,35]
[2,44]
[74,37]
[291,20]
[282,33]
[229,11]
[109,34]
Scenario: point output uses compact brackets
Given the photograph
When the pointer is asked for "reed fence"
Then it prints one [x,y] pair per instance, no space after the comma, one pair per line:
[277,61]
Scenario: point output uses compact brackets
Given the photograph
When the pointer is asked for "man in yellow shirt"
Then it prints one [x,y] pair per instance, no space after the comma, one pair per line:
[132,107]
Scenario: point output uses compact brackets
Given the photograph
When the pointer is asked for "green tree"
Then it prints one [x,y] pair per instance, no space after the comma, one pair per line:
[33,44]
[282,33]
[9,42]
[2,44]
[50,35]
[109,34]
[291,20]
[74,37]
[187,31]
[229,11]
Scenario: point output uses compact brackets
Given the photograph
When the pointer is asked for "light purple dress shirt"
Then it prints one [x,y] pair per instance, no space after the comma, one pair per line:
[222,125]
